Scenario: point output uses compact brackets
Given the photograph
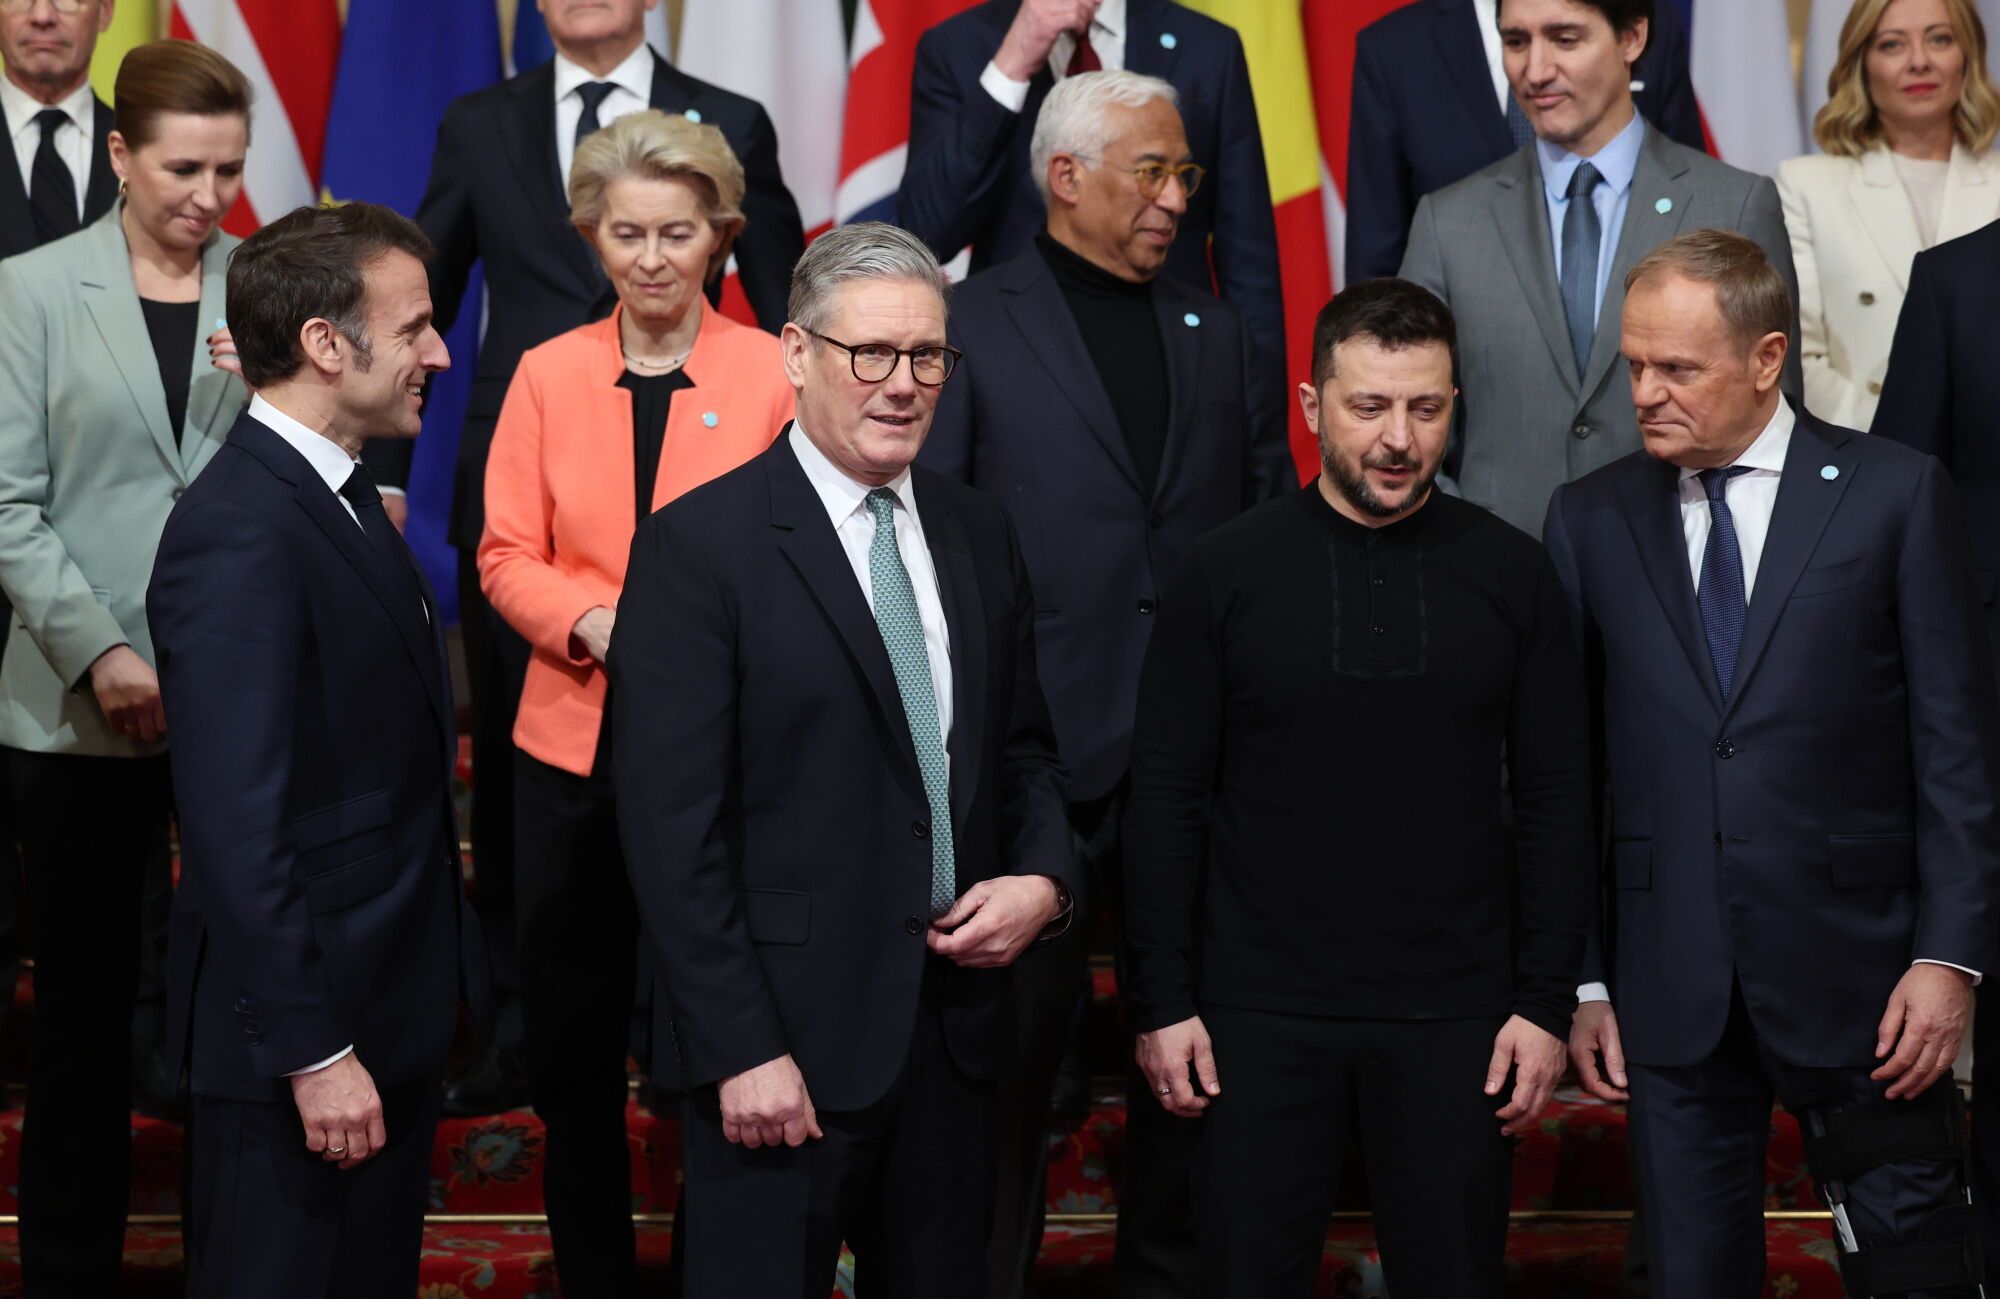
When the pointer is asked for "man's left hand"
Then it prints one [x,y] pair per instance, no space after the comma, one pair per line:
[1925,1022]
[994,921]
[1537,1058]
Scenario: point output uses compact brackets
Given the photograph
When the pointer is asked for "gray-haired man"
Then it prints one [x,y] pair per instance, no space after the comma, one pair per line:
[841,807]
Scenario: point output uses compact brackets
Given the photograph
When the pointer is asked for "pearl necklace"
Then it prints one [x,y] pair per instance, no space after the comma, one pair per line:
[672,363]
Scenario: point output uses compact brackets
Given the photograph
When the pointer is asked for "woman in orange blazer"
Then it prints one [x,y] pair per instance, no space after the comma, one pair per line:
[602,426]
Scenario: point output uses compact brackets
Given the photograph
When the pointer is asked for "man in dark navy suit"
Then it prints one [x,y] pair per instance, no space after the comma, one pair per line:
[321,940]
[1799,724]
[978,86]
[1431,106]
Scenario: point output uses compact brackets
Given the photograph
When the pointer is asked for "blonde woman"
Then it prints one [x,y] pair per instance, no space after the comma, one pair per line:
[1906,132]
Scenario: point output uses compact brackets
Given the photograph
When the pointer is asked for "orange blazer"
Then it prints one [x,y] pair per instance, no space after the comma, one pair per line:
[559,497]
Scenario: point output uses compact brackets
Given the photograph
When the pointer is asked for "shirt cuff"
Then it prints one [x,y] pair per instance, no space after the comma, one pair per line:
[334,1059]
[1976,975]
[1010,94]
[387,490]
[1592,992]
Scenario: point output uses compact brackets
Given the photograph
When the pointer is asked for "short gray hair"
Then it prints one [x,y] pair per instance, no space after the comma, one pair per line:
[1072,117]
[652,145]
[866,250]
[1751,293]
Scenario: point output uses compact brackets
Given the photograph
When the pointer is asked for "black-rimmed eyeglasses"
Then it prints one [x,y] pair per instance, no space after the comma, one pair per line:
[875,362]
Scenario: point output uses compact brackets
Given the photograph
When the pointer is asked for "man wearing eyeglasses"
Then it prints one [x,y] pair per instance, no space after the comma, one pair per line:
[841,809]
[1109,407]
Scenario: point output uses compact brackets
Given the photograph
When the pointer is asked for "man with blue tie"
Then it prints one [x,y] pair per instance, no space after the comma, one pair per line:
[1798,722]
[1543,405]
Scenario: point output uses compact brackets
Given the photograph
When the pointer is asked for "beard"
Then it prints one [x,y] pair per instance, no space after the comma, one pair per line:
[1353,485]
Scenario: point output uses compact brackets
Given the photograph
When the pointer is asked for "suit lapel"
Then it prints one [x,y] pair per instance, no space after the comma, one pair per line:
[1521,216]
[1182,342]
[1651,496]
[17,220]
[1806,501]
[1038,311]
[1886,214]
[1969,196]
[102,189]
[1455,28]
[964,615]
[528,138]
[1152,47]
[108,294]
[1661,176]
[205,395]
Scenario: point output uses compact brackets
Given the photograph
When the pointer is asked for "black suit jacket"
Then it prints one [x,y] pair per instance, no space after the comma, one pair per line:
[310,706]
[770,801]
[968,181]
[1834,819]
[17,222]
[1942,387]
[1026,418]
[1425,116]
[495,198]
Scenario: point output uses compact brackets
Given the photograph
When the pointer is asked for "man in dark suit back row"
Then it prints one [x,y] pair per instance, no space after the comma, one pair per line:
[1107,405]
[498,196]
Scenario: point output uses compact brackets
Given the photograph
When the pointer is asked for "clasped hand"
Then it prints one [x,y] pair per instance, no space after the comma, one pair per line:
[994,921]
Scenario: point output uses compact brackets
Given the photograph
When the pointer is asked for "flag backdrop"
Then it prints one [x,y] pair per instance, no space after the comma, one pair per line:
[133,22]
[875,132]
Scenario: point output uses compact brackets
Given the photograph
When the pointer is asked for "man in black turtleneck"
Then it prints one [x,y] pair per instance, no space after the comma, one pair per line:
[1107,407]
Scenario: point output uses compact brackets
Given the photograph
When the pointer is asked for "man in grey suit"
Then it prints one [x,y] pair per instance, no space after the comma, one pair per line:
[1548,404]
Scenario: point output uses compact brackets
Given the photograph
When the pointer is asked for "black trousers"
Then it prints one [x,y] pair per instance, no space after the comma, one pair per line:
[907,1183]
[86,826]
[578,942]
[270,1217]
[1293,1087]
[1986,1116]
[496,661]
[1700,1132]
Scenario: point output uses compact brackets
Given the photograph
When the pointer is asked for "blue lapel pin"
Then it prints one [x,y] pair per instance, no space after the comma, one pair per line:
[1664,206]
[710,419]
[1168,40]
[1191,320]
[693,115]
[1830,472]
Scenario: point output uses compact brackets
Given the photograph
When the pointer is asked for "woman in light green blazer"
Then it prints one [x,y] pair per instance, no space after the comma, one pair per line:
[115,390]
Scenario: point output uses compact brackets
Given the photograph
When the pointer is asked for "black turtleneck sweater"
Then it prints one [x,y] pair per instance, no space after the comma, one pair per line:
[1122,335]
[1315,824]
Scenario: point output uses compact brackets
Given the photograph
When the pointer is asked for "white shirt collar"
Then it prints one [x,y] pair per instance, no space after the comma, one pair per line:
[841,494]
[21,107]
[1767,453]
[634,75]
[1110,16]
[327,457]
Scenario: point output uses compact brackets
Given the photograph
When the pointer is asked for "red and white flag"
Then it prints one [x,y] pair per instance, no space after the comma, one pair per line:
[289,49]
[1331,27]
[1740,55]
[875,135]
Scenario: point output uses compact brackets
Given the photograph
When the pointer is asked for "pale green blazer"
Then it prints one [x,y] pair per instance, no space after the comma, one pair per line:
[88,472]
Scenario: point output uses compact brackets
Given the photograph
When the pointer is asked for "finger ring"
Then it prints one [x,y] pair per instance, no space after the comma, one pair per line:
[1166,1091]
[336,1150]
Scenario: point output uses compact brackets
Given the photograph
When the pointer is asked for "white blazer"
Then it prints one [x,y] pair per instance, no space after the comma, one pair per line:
[1854,236]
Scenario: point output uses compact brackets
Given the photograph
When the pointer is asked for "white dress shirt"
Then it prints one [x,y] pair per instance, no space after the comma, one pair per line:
[846,502]
[632,83]
[1752,497]
[1107,39]
[1487,13]
[73,139]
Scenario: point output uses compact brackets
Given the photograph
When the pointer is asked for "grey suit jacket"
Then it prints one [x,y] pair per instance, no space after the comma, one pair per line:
[1528,423]
[89,469]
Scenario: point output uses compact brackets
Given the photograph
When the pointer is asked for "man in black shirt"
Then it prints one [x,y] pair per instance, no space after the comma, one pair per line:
[1317,779]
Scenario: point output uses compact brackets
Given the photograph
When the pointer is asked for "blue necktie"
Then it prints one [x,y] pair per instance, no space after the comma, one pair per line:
[1517,122]
[1724,604]
[1581,232]
[903,636]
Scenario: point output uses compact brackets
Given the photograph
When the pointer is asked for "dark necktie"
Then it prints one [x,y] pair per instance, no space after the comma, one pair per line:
[51,189]
[1581,232]
[1724,603]
[359,489]
[1083,58]
[1517,122]
[592,94]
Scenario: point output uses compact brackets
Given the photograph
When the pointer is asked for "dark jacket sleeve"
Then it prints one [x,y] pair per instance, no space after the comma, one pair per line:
[1954,733]
[1380,197]
[674,738]
[958,152]
[1668,101]
[227,619]
[1548,773]
[1916,407]
[1245,245]
[773,236]
[1035,793]
[1596,963]
[1176,750]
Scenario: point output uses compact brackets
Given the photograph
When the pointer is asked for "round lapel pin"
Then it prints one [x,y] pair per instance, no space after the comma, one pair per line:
[710,419]
[1168,40]
[1191,320]
[1830,472]
[1664,206]
[693,115]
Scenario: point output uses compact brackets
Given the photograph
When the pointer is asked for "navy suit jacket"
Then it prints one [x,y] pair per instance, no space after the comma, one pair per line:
[309,700]
[1834,819]
[1026,418]
[770,803]
[968,182]
[1425,116]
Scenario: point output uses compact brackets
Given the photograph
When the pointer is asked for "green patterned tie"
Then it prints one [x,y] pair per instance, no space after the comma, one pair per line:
[903,636]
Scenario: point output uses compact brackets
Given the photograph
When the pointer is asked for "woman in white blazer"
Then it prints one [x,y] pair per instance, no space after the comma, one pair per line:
[1908,122]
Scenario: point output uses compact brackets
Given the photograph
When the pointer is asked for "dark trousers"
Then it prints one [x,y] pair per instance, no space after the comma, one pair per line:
[496,660]
[578,940]
[907,1183]
[1293,1088]
[270,1217]
[1986,1116]
[1700,1131]
[86,826]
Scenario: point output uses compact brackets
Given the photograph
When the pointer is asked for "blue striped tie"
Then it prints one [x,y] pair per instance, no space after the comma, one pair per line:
[903,636]
[1724,605]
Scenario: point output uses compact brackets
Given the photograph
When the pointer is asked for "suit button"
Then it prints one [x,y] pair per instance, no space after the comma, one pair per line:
[1147,606]
[1377,629]
[1718,838]
[1580,430]
[1874,389]
[1867,299]
[1725,749]
[921,829]
[178,491]
[1157,522]
[914,925]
